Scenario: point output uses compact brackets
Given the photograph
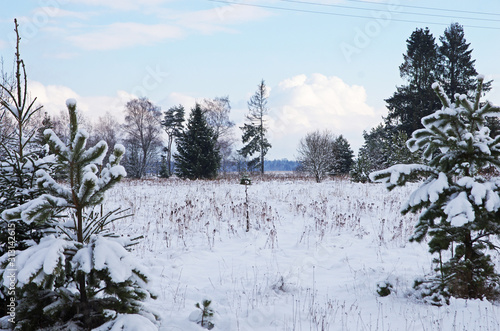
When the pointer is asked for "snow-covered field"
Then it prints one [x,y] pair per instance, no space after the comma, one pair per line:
[311,260]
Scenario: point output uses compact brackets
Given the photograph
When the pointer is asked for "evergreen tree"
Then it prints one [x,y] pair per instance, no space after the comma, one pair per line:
[197,154]
[81,276]
[415,100]
[21,158]
[172,124]
[382,148]
[456,68]
[254,132]
[342,156]
[361,169]
[460,209]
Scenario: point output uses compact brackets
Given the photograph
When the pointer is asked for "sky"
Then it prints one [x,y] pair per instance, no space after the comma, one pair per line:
[328,64]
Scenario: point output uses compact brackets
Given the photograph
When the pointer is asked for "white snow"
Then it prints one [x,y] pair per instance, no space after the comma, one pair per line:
[459,210]
[13,109]
[83,259]
[71,102]
[59,145]
[36,261]
[128,322]
[117,171]
[92,150]
[110,254]
[120,147]
[311,261]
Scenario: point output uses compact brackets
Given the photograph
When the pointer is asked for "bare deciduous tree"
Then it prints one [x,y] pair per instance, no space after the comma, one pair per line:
[316,151]
[142,130]
[107,129]
[216,112]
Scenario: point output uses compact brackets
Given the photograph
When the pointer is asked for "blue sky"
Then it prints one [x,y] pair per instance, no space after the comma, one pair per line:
[329,64]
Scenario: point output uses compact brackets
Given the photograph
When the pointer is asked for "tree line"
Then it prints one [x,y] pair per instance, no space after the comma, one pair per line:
[425,62]
[199,147]
[211,150]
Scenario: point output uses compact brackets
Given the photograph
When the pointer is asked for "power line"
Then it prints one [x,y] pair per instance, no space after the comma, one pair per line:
[399,12]
[428,8]
[343,15]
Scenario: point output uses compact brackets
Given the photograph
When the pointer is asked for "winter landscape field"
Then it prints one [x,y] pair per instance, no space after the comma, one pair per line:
[311,261]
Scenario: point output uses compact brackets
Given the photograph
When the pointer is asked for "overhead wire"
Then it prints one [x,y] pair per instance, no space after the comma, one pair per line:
[427,8]
[342,14]
[399,12]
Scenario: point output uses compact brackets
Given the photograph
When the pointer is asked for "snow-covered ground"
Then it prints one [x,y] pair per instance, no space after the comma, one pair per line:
[311,260]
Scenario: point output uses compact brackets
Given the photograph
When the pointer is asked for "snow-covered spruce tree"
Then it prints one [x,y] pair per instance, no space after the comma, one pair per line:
[460,208]
[82,277]
[197,154]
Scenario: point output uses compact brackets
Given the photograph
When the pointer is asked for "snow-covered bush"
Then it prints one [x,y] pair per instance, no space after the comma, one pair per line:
[82,276]
[460,207]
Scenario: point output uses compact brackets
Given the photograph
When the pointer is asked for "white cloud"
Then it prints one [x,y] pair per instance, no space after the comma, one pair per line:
[176,98]
[120,35]
[303,104]
[175,24]
[119,4]
[218,18]
[61,55]
[3,44]
[41,14]
[53,98]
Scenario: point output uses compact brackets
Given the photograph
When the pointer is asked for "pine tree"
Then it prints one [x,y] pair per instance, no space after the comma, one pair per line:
[19,161]
[374,154]
[456,69]
[197,155]
[81,276]
[460,208]
[415,100]
[172,124]
[254,132]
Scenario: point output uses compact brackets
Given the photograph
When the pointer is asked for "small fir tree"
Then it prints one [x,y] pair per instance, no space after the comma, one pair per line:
[460,208]
[207,314]
[197,155]
[82,276]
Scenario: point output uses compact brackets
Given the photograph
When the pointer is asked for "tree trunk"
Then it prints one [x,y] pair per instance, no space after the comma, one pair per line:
[468,256]
[169,155]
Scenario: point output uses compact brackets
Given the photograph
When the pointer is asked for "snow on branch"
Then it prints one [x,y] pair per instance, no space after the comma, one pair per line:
[398,174]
